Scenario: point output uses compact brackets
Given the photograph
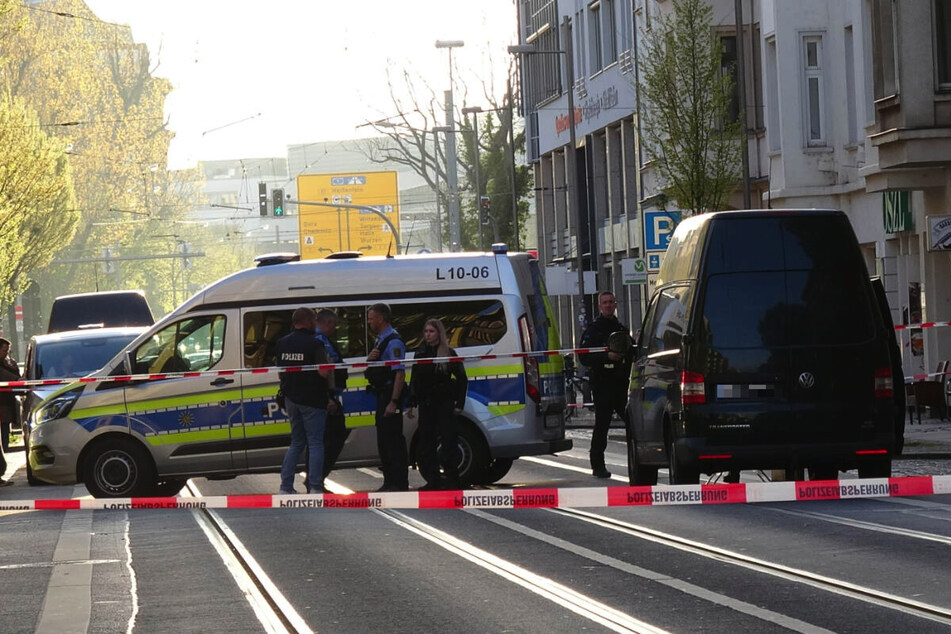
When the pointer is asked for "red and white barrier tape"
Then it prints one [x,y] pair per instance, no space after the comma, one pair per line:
[7,386]
[593,497]
[925,377]
[927,324]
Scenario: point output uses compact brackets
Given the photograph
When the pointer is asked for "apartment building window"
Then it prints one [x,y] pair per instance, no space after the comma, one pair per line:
[594,37]
[942,28]
[609,31]
[773,132]
[884,48]
[728,68]
[813,90]
[543,79]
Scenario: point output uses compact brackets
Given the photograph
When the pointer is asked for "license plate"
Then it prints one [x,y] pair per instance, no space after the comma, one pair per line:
[554,420]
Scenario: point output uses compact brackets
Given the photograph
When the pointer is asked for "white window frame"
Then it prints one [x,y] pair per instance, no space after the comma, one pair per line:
[771,81]
[814,114]
[595,37]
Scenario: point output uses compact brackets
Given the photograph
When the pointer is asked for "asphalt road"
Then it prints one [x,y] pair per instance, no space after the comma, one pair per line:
[843,566]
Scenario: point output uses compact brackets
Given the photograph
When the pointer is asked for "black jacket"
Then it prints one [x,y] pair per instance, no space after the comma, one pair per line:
[596,336]
[302,347]
[430,379]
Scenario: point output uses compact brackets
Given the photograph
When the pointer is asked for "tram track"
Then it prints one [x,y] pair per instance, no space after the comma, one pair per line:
[829,584]
[272,609]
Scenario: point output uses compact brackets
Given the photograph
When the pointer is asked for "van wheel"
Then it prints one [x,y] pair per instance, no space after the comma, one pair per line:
[474,458]
[498,469]
[680,473]
[118,467]
[876,468]
[637,473]
[167,488]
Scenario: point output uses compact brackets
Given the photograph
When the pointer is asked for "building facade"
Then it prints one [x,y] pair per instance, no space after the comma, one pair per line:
[848,106]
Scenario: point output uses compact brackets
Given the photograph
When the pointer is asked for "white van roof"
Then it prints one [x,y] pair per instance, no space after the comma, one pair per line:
[377,277]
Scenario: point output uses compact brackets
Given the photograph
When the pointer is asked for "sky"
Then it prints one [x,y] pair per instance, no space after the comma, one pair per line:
[250,78]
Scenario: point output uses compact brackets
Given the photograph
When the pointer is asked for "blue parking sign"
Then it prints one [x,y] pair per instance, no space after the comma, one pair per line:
[658,227]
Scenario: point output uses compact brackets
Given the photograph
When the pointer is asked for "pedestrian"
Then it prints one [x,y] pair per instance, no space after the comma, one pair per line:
[386,383]
[438,390]
[9,371]
[306,395]
[609,373]
[336,432]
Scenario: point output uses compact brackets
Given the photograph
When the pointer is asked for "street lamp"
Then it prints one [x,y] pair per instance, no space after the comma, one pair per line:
[474,111]
[574,198]
[452,177]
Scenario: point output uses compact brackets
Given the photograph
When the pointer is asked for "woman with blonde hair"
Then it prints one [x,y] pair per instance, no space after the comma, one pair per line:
[438,390]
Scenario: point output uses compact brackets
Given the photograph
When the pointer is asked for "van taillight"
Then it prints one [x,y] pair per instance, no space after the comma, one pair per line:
[884,385]
[692,391]
[530,364]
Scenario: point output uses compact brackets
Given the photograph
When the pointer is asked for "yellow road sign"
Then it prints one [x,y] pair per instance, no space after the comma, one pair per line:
[324,230]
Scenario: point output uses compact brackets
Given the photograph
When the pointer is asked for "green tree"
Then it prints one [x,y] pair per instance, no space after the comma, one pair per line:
[684,109]
[37,205]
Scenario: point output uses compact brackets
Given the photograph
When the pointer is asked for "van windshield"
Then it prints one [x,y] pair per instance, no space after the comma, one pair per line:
[796,283]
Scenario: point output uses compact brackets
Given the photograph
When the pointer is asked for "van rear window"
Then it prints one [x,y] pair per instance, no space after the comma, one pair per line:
[794,308]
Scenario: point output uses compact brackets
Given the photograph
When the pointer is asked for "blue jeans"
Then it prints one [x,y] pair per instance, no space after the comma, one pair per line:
[307,429]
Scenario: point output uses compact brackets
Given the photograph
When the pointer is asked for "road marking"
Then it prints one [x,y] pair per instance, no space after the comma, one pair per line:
[133,583]
[230,548]
[563,596]
[68,603]
[672,582]
[551,463]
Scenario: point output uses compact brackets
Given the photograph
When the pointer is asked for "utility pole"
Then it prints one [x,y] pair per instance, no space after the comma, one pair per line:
[474,111]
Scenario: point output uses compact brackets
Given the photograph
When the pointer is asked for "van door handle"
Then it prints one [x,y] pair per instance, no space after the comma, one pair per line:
[221,381]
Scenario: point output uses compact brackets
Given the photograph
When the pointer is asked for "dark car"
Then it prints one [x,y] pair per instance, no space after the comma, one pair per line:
[66,355]
[762,348]
[106,309]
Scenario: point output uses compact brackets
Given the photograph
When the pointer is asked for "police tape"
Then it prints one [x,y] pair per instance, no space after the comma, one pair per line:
[925,377]
[927,324]
[588,497]
[8,386]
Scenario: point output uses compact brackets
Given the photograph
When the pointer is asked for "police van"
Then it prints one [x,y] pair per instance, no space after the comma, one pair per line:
[130,438]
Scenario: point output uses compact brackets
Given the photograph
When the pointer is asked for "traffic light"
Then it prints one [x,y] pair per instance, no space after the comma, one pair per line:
[277,197]
[484,209]
[262,198]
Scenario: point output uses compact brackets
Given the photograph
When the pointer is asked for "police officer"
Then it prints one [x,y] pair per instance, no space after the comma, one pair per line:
[610,376]
[386,384]
[306,395]
[336,433]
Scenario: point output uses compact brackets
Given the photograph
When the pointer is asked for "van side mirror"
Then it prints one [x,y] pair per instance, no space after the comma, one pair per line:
[619,342]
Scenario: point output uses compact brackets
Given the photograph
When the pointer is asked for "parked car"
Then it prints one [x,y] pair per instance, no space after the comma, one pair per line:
[106,309]
[762,347]
[69,354]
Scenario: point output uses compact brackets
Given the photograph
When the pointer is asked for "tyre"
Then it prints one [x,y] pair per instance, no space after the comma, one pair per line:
[474,458]
[680,473]
[118,467]
[876,468]
[167,488]
[638,474]
[498,468]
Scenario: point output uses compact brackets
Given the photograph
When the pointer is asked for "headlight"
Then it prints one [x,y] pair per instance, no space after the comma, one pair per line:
[56,406]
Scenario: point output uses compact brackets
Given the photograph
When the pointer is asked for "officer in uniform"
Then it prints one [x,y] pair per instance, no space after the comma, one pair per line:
[306,395]
[336,433]
[610,377]
[386,384]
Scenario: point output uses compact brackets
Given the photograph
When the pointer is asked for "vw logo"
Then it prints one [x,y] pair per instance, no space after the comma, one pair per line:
[807,380]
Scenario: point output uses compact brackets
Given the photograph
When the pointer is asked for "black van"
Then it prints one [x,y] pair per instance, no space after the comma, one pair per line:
[762,348]
[104,309]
